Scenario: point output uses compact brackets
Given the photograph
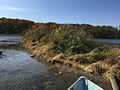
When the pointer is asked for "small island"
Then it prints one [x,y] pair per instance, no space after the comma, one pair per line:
[72,45]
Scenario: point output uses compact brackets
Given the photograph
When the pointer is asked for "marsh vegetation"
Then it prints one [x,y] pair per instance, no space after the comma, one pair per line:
[72,47]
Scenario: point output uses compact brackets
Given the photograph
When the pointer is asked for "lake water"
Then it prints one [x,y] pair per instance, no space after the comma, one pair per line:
[18,71]
[9,39]
[114,41]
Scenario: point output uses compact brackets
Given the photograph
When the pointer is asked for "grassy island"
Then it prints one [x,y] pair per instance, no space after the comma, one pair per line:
[71,46]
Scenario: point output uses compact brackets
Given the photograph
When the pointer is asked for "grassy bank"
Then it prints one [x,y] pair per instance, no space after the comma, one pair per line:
[72,48]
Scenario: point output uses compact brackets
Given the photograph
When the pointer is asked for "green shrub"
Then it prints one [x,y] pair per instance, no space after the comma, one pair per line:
[34,35]
[100,49]
[67,41]
[97,54]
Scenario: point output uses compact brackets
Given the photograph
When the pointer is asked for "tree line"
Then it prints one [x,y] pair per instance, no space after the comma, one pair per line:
[14,26]
[17,26]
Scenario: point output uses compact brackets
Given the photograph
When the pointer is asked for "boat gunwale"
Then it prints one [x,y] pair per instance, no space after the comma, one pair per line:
[85,79]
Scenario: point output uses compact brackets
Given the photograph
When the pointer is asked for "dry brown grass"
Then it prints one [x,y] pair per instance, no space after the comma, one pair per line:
[97,68]
[114,57]
[111,65]
[114,70]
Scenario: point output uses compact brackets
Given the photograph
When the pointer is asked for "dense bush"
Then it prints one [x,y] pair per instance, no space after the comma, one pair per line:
[99,53]
[68,42]
[65,39]
[40,32]
[68,38]
[34,35]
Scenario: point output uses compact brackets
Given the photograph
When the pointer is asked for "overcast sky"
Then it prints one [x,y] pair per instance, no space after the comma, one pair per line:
[95,12]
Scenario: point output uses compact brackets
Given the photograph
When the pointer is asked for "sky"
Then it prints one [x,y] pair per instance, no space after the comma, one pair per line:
[94,12]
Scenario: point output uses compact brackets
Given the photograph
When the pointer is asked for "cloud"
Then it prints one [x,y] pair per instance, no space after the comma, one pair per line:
[14,9]
[11,8]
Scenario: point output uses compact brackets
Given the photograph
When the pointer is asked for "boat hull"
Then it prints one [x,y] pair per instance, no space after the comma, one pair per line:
[84,84]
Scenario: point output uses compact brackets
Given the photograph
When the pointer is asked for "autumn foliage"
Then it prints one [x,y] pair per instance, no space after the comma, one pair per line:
[14,26]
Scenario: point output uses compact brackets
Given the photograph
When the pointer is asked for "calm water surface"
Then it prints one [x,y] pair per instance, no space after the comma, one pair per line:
[114,41]
[9,39]
[18,71]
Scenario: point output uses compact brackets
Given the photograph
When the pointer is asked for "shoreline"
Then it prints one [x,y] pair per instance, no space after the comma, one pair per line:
[11,35]
[64,66]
